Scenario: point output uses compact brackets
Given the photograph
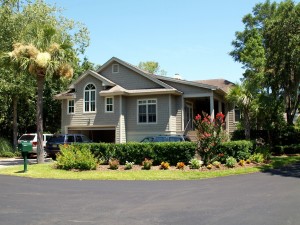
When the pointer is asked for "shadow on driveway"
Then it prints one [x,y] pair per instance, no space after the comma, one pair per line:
[292,170]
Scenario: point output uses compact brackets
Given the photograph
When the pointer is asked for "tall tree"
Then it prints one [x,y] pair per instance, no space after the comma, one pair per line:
[47,47]
[269,49]
[11,79]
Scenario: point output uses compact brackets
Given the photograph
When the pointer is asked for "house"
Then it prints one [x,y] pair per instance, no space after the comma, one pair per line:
[121,103]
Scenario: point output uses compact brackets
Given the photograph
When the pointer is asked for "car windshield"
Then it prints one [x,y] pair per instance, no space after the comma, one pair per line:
[57,139]
[85,139]
[27,137]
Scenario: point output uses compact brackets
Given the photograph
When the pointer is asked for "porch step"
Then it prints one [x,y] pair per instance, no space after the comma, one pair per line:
[192,134]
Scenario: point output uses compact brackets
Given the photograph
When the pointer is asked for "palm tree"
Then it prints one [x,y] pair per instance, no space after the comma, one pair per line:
[244,97]
[45,58]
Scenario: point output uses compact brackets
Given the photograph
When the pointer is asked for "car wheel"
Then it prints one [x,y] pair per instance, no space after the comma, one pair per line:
[45,154]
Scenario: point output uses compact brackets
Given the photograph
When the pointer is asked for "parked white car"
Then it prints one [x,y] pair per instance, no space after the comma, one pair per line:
[32,137]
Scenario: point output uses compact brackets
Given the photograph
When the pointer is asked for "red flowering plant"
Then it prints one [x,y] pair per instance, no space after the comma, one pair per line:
[210,135]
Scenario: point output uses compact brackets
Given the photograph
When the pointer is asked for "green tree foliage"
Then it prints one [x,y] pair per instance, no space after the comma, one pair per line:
[245,97]
[47,48]
[269,49]
[152,67]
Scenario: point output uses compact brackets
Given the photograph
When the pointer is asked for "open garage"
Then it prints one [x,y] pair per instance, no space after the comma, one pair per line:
[107,135]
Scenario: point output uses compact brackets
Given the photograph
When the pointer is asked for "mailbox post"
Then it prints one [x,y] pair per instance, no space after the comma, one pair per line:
[25,147]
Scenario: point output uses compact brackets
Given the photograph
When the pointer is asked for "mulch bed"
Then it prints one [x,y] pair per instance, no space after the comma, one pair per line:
[186,168]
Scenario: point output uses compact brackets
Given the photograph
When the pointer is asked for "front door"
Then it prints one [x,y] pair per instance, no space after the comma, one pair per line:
[188,116]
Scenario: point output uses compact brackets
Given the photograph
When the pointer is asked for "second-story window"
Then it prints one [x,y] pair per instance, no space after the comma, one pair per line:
[90,98]
[71,105]
[109,104]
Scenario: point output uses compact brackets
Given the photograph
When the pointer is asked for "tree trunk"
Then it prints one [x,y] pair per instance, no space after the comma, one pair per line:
[15,122]
[39,118]
[247,126]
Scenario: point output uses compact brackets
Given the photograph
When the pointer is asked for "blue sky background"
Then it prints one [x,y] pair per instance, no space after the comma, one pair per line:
[189,37]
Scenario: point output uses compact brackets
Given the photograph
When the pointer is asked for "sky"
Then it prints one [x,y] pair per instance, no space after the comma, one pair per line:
[187,37]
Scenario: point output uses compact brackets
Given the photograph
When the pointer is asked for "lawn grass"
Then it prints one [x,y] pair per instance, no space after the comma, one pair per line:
[48,171]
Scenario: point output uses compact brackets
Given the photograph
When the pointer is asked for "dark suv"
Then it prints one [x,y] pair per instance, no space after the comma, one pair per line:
[166,138]
[52,146]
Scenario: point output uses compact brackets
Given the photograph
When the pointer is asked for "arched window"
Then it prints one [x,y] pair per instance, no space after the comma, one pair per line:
[90,98]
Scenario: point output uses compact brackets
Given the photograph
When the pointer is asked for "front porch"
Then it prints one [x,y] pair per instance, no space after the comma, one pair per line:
[197,105]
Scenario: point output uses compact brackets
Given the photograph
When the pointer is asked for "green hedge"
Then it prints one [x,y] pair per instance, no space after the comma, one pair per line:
[286,149]
[237,149]
[171,152]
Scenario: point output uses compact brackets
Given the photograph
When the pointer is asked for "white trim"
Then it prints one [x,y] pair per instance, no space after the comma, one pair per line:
[95,90]
[137,110]
[112,104]
[120,121]
[182,113]
[117,66]
[68,107]
[207,94]
[212,108]
[104,80]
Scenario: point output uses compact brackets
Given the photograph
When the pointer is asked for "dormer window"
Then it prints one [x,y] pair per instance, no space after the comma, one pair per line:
[115,68]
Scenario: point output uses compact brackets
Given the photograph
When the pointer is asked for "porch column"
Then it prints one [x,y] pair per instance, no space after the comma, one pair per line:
[212,111]
[220,107]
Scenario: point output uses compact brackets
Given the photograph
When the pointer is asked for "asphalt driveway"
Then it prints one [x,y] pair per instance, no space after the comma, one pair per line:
[271,198]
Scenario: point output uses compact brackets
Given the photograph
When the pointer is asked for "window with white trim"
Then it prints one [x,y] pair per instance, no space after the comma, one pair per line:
[115,68]
[90,98]
[147,111]
[71,106]
[109,104]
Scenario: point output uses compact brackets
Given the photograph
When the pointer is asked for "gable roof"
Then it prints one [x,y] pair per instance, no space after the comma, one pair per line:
[192,83]
[104,80]
[135,69]
[223,84]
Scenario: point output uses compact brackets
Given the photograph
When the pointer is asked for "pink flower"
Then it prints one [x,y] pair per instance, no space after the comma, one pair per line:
[198,117]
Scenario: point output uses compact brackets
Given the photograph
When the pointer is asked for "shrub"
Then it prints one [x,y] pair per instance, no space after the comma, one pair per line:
[171,152]
[230,162]
[73,157]
[113,164]
[128,165]
[195,163]
[210,166]
[210,135]
[180,165]
[217,164]
[237,149]
[242,162]
[248,161]
[164,166]
[257,158]
[6,149]
[147,163]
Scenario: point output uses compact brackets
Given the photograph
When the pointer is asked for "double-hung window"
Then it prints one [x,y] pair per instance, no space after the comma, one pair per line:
[147,111]
[109,104]
[71,106]
[90,98]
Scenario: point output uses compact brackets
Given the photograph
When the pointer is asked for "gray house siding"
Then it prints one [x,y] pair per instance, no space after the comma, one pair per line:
[82,119]
[128,79]
[179,112]
[135,130]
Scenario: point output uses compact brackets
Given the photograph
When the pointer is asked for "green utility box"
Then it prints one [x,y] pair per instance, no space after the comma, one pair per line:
[25,146]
